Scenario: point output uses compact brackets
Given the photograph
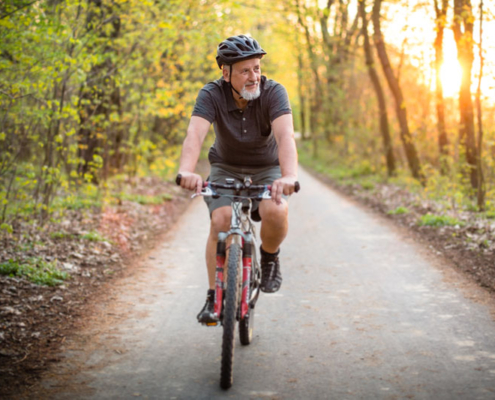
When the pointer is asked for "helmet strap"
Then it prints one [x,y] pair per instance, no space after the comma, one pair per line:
[230,82]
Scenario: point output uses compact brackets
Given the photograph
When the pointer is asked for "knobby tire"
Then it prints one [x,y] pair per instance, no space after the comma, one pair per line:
[246,325]
[230,316]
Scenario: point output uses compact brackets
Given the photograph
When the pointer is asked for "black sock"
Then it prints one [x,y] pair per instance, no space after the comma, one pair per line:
[265,253]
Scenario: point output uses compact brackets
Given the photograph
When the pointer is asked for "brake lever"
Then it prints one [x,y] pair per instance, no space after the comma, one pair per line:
[207,191]
[266,195]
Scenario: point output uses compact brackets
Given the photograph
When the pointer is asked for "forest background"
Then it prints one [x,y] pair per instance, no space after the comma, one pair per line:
[96,92]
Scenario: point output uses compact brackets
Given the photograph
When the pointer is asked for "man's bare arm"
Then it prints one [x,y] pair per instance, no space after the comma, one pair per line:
[287,156]
[191,149]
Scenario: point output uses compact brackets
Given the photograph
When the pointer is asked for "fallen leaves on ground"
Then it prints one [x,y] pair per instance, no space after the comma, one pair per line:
[92,246]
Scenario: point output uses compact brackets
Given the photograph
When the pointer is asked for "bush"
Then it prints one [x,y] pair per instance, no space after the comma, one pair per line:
[94,237]
[439,220]
[35,270]
[398,211]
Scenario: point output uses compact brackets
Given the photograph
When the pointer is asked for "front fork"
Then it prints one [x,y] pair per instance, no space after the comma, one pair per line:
[247,256]
[219,274]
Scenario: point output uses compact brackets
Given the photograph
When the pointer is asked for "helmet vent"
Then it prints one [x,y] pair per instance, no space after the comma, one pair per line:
[238,48]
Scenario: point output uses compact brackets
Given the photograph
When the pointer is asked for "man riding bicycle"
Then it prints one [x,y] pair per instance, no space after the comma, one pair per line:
[254,136]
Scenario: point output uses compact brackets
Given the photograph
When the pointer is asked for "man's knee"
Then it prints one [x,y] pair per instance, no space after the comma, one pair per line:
[220,219]
[274,213]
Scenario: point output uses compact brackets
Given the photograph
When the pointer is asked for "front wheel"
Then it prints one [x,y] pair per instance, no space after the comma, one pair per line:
[246,327]
[230,316]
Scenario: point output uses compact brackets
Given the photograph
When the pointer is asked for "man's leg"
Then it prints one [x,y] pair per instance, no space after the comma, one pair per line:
[220,221]
[274,227]
[274,224]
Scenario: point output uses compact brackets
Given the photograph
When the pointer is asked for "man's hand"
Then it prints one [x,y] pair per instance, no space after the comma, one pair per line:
[284,185]
[191,181]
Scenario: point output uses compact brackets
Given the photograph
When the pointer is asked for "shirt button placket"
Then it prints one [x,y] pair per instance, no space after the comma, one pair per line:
[242,124]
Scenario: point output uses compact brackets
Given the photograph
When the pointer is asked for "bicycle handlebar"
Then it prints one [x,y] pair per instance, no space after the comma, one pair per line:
[237,186]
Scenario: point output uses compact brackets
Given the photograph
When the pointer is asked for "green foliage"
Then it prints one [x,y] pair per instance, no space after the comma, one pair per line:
[6,228]
[94,237]
[449,191]
[367,184]
[352,172]
[90,90]
[145,199]
[88,196]
[399,211]
[35,270]
[61,235]
[439,220]
[78,203]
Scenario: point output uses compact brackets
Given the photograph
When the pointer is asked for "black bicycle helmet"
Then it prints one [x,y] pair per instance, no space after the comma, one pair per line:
[238,48]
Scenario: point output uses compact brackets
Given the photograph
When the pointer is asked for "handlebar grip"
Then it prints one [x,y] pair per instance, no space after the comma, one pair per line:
[297,186]
[178,179]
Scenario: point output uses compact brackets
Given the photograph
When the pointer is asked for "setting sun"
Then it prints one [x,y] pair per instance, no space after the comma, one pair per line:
[450,75]
[413,23]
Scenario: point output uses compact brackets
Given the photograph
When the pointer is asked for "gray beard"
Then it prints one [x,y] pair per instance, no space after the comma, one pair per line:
[250,95]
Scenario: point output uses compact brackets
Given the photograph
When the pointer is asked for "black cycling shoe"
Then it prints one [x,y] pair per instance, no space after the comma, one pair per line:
[271,277]
[206,315]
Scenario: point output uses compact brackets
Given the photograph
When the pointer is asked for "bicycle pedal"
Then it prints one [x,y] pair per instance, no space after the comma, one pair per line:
[210,323]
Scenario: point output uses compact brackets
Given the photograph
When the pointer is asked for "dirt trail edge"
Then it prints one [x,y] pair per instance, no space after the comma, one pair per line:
[364,312]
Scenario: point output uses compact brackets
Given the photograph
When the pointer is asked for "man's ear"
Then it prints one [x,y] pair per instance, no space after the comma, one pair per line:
[226,73]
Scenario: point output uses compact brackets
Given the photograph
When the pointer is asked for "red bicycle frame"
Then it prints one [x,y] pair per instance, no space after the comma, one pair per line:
[246,277]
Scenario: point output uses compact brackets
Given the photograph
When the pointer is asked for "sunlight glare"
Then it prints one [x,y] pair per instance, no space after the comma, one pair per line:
[450,75]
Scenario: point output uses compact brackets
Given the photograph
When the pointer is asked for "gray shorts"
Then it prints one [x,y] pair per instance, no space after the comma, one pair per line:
[259,176]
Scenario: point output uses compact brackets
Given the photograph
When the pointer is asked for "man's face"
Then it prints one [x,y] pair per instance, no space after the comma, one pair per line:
[246,76]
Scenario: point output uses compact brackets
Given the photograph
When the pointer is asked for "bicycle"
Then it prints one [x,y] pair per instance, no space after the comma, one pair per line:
[236,295]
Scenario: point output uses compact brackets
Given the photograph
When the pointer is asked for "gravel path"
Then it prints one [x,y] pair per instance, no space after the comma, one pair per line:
[363,313]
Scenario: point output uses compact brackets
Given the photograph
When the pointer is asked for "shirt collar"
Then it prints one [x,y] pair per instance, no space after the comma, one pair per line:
[227,90]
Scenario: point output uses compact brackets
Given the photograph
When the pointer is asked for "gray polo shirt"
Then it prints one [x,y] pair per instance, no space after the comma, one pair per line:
[242,138]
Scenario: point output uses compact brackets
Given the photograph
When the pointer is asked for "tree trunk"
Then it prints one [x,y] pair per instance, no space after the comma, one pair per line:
[463,34]
[317,97]
[407,140]
[384,128]
[337,49]
[302,97]
[443,143]
[481,183]
[99,98]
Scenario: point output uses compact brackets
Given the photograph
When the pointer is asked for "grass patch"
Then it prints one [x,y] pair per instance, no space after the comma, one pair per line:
[24,246]
[361,172]
[35,270]
[490,214]
[94,237]
[399,211]
[438,221]
[367,184]
[61,235]
[77,203]
[87,197]
[145,199]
